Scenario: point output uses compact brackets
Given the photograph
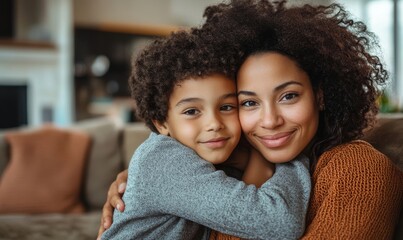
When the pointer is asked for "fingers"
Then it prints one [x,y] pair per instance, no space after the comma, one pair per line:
[121,180]
[106,219]
[114,200]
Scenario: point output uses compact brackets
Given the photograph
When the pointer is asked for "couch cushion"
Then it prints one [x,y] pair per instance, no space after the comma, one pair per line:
[42,162]
[50,226]
[104,161]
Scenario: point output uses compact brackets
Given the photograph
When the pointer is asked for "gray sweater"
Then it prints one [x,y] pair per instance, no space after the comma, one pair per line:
[172,193]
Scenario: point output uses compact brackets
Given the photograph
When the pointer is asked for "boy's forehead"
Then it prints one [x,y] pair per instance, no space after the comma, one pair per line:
[216,83]
[210,76]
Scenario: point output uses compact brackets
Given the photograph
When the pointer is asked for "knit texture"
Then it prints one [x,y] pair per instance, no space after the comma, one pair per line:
[357,194]
[172,194]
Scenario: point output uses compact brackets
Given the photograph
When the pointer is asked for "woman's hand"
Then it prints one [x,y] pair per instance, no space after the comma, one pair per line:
[114,200]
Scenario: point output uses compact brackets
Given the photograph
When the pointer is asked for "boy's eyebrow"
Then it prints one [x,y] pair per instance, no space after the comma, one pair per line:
[278,88]
[187,100]
[229,95]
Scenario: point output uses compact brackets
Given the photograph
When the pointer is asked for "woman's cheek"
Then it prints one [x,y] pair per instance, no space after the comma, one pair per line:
[247,121]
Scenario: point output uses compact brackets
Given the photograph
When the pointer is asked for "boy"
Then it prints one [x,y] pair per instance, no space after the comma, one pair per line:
[187,97]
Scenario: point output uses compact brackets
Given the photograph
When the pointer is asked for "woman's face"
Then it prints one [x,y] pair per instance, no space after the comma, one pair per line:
[278,111]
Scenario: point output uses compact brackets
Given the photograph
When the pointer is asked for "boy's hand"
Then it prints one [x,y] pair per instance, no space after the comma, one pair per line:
[114,200]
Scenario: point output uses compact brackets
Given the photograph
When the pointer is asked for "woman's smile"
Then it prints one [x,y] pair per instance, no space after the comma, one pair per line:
[277,140]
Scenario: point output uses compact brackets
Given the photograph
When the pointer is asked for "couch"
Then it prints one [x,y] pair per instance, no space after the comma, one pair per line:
[110,150]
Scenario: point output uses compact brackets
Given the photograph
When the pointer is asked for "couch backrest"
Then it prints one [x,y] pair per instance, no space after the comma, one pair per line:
[104,160]
[387,137]
[133,135]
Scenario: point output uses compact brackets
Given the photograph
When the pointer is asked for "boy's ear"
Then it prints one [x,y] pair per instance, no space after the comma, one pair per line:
[161,127]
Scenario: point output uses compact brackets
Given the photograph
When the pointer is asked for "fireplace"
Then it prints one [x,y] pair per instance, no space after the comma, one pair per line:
[13,106]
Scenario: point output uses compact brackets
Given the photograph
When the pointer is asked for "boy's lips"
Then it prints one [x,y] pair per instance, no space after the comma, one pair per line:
[216,142]
[276,140]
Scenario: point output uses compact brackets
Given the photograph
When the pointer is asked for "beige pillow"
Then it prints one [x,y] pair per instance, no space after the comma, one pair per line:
[104,160]
[45,171]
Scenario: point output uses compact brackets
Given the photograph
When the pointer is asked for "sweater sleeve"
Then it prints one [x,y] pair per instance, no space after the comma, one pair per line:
[180,183]
[357,194]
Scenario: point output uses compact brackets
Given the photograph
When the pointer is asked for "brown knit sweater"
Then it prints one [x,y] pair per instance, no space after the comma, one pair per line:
[357,194]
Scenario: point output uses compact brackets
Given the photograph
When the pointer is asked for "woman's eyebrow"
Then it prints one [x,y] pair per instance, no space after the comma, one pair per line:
[278,88]
[284,85]
[247,93]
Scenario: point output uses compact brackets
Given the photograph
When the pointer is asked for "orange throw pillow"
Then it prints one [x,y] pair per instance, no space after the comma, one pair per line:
[45,172]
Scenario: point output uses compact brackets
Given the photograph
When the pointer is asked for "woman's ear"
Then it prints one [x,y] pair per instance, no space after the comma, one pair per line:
[161,127]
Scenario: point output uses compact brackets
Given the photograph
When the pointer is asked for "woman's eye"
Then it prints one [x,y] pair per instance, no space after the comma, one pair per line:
[289,96]
[248,104]
[191,112]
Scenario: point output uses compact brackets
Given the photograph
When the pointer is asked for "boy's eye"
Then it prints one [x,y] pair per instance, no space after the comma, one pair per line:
[248,103]
[227,108]
[191,112]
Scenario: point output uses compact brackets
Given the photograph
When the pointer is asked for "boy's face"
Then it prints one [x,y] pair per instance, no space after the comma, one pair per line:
[203,115]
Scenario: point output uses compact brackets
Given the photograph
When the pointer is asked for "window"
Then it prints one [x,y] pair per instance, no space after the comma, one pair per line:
[382,18]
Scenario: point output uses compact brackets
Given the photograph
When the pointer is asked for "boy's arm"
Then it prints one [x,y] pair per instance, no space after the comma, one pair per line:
[186,186]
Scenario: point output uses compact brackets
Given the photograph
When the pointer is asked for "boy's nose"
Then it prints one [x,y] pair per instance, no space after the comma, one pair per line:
[214,123]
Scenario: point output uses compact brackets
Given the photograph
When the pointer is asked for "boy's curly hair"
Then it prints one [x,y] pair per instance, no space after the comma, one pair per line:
[332,48]
[168,61]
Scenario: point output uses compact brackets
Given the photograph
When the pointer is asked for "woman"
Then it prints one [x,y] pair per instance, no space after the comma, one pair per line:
[321,56]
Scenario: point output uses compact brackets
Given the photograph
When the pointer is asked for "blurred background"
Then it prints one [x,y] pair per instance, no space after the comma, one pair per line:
[62,61]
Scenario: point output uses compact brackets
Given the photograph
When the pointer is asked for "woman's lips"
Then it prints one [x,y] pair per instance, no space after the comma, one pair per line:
[277,140]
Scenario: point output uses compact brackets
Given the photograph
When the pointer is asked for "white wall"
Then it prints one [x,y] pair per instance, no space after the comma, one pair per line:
[48,72]
[146,12]
[149,12]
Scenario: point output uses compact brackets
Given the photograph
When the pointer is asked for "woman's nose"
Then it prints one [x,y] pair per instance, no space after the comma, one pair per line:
[271,118]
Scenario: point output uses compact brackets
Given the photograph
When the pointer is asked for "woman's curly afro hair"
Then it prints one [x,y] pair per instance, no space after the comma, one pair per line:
[166,62]
[333,49]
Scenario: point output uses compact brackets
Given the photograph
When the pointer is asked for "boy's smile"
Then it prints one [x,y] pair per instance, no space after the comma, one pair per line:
[203,115]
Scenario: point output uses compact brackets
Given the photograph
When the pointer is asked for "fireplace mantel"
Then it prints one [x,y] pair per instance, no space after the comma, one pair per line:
[39,70]
[39,55]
